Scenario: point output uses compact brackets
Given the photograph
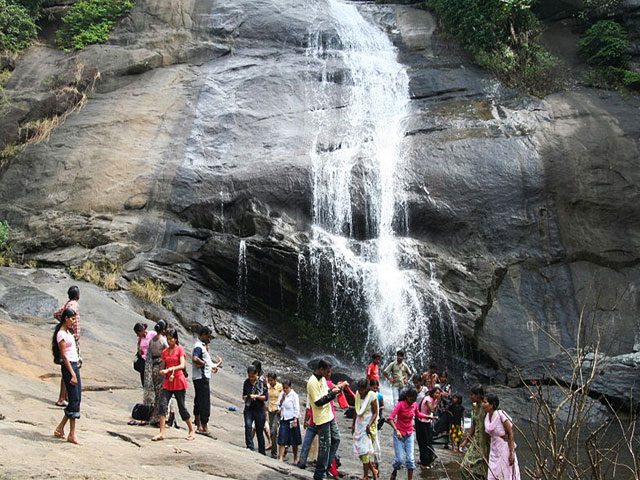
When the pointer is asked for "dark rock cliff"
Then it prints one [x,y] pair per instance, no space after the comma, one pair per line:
[195,137]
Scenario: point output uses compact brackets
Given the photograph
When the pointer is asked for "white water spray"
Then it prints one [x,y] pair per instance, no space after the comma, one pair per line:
[359,143]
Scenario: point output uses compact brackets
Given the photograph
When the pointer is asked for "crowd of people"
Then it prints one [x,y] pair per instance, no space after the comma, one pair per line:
[424,407]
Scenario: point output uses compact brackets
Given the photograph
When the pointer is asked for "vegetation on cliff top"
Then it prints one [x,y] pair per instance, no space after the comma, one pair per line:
[504,37]
[605,47]
[17,25]
[87,22]
[90,21]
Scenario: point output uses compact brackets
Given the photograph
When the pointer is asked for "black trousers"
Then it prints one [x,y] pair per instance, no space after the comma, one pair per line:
[166,397]
[424,436]
[202,400]
[257,417]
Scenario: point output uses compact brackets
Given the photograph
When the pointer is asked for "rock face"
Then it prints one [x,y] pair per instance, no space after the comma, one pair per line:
[195,147]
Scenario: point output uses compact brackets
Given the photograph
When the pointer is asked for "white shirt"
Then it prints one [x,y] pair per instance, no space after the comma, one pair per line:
[200,351]
[290,406]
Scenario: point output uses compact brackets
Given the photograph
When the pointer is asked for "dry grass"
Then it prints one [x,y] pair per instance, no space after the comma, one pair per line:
[40,130]
[150,290]
[5,258]
[111,272]
[105,274]
[10,151]
[4,76]
[87,271]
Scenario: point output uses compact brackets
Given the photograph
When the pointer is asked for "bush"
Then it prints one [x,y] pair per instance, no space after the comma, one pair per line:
[631,80]
[594,9]
[4,235]
[605,44]
[17,27]
[503,36]
[90,21]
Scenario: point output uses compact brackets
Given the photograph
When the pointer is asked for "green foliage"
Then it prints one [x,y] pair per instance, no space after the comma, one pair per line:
[613,78]
[595,9]
[4,235]
[503,36]
[90,21]
[32,6]
[605,44]
[17,27]
[631,80]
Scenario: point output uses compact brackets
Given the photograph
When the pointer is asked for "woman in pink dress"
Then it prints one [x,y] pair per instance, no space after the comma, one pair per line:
[503,463]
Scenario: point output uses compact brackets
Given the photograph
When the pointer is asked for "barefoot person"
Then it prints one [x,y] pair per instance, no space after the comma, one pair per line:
[175,383]
[474,463]
[364,427]
[65,353]
[74,296]
[289,428]
[503,462]
[401,420]
[154,379]
[202,368]
[254,394]
[275,389]
[399,374]
[326,427]
[144,337]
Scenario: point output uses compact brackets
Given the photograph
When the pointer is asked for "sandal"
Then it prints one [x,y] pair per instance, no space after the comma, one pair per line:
[132,422]
[62,404]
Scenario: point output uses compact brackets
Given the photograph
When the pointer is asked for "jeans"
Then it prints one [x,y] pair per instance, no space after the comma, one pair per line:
[329,439]
[259,417]
[274,424]
[202,400]
[180,399]
[395,391]
[309,435]
[403,452]
[74,392]
[424,436]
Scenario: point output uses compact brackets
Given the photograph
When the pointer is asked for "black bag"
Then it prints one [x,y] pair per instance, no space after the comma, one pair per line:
[142,412]
[138,364]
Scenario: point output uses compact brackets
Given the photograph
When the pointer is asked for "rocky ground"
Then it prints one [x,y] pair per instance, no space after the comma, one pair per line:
[29,384]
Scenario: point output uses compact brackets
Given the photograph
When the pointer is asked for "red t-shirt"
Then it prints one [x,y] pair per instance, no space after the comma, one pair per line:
[373,372]
[173,360]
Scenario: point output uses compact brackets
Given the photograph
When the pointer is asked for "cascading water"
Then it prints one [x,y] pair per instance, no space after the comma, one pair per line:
[242,276]
[357,161]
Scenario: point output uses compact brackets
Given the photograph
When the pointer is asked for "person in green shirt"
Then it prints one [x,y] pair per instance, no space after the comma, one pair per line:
[399,374]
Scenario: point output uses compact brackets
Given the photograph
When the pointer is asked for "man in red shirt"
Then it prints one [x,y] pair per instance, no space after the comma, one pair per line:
[373,370]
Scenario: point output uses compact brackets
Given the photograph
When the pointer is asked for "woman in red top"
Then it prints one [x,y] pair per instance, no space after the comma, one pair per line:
[175,383]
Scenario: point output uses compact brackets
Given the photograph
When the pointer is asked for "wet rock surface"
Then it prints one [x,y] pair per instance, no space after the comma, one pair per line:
[197,137]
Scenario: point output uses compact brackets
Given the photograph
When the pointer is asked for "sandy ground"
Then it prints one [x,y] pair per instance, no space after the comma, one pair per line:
[29,384]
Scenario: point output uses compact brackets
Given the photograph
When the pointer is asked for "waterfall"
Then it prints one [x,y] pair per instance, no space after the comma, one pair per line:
[242,276]
[357,161]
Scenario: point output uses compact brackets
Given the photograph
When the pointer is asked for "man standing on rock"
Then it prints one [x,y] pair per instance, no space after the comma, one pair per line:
[327,429]
[74,296]
[202,368]
[399,374]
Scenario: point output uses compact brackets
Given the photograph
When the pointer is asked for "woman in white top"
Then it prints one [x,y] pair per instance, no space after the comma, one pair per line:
[65,353]
[289,431]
